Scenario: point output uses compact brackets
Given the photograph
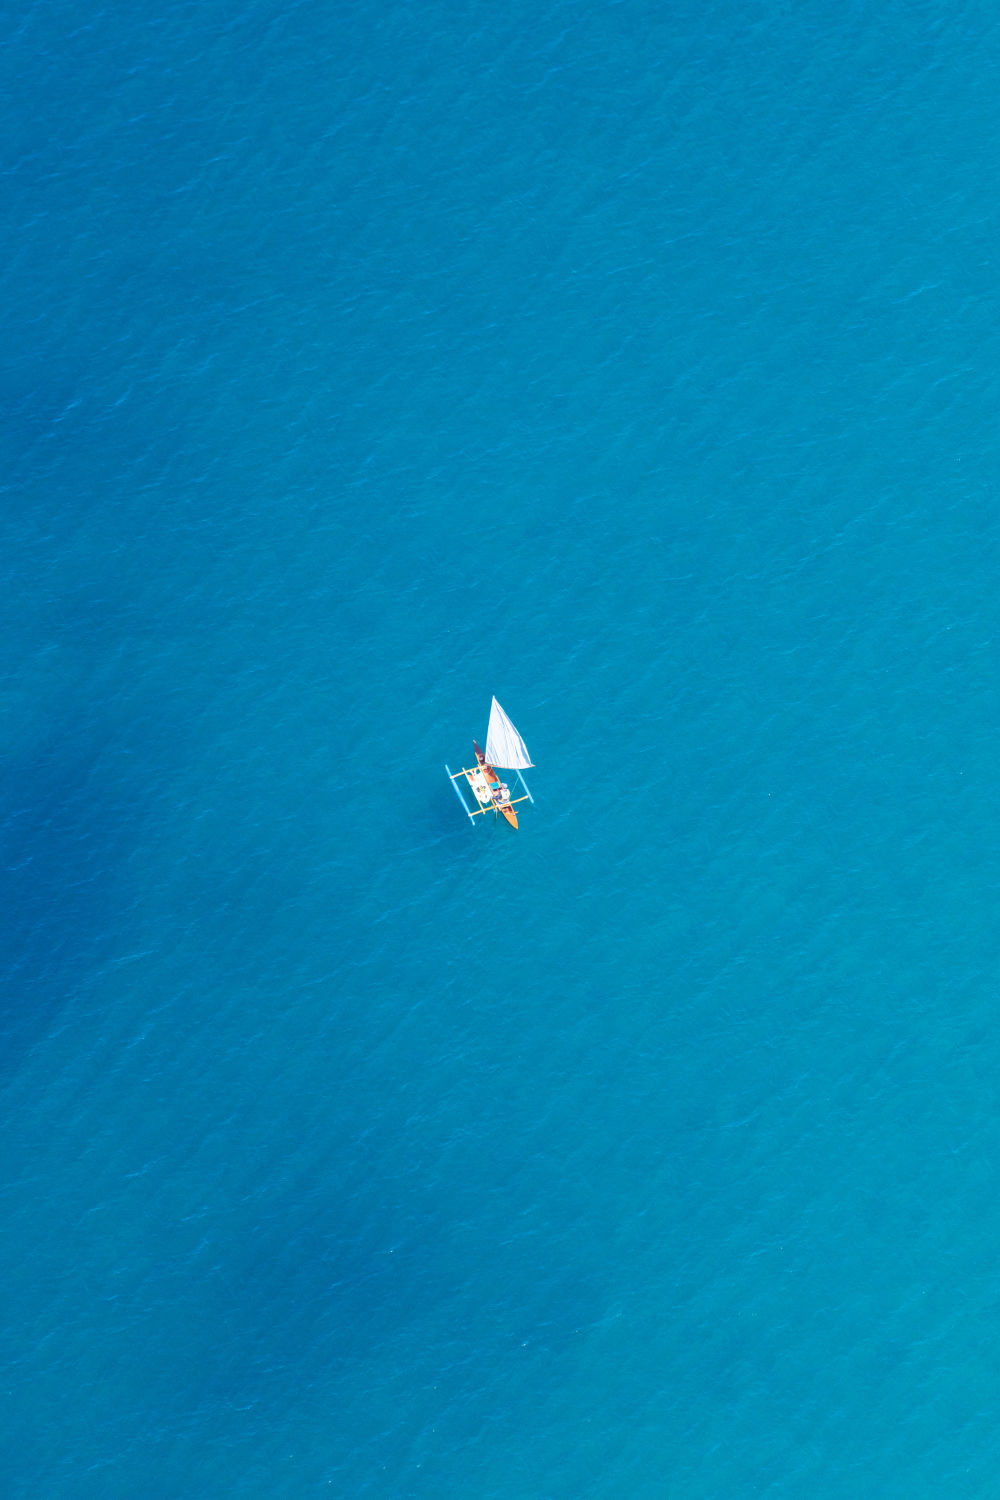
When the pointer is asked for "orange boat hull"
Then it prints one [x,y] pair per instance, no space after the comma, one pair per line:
[494,780]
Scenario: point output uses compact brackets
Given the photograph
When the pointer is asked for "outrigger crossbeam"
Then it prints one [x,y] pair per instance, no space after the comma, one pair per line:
[456,776]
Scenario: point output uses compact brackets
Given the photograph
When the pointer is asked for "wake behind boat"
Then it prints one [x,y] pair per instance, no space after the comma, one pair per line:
[504,749]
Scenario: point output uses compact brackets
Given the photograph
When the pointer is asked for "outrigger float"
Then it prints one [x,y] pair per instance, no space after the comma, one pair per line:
[506,749]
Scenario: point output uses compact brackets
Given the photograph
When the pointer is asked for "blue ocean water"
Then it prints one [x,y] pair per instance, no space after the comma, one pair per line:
[640,367]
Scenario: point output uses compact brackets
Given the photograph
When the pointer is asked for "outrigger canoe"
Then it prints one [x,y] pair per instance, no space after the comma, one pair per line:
[506,749]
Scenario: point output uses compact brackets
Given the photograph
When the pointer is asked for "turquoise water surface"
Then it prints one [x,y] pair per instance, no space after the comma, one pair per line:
[638,365]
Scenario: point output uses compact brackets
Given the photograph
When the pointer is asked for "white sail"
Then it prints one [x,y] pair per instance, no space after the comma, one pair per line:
[504,746]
